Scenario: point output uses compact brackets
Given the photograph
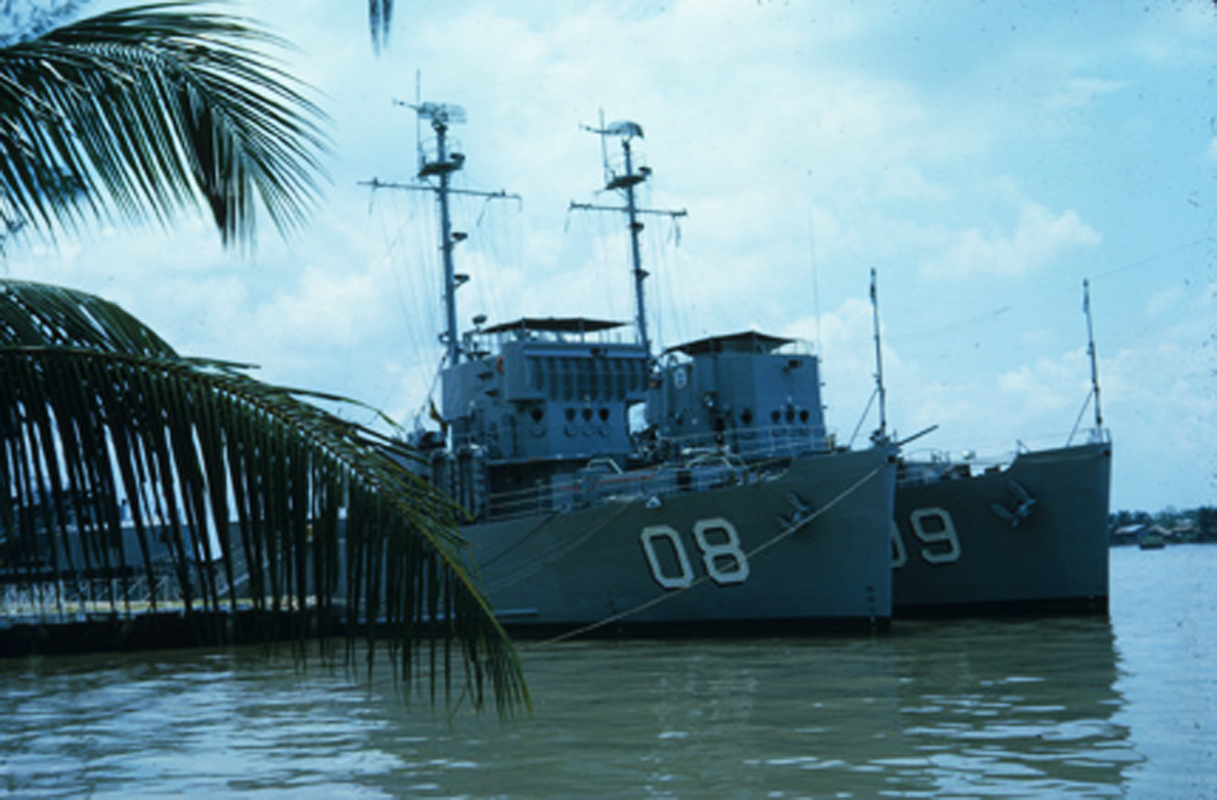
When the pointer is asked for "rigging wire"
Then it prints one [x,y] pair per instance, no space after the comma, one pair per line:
[781,536]
[1062,286]
[1147,260]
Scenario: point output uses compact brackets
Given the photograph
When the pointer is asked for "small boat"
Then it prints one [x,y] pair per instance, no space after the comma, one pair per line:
[1151,539]
[731,512]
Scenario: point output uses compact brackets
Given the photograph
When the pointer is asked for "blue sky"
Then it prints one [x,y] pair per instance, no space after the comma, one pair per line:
[984,158]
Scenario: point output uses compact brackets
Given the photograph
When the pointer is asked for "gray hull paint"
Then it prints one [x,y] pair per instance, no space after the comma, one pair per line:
[1031,537]
[590,571]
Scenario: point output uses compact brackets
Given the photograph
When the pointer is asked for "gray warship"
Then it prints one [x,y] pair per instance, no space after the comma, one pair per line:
[1028,534]
[731,512]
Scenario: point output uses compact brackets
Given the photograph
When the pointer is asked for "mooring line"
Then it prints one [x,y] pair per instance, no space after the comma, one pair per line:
[557,554]
[782,535]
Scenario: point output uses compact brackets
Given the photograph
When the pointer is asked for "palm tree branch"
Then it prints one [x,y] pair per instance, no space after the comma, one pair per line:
[380,19]
[190,445]
[152,109]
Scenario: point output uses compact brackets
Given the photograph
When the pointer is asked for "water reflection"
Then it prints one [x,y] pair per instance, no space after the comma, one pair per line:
[938,709]
[988,707]
[934,709]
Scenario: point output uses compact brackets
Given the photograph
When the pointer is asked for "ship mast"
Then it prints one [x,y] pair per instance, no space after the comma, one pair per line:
[1094,364]
[624,184]
[881,433]
[441,167]
[879,436]
[1094,372]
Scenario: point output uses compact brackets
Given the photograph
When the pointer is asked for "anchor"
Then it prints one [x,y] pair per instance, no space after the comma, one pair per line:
[1022,509]
[802,511]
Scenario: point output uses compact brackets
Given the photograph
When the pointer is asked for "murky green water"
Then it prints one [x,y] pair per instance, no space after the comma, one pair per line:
[1049,708]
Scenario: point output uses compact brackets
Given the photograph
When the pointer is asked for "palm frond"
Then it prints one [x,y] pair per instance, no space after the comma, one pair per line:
[380,18]
[239,496]
[147,111]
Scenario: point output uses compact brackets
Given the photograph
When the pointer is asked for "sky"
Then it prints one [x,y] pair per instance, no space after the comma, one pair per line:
[983,158]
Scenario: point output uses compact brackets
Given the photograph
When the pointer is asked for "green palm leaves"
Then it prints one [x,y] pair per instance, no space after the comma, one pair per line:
[239,497]
[380,18]
[143,111]
[134,480]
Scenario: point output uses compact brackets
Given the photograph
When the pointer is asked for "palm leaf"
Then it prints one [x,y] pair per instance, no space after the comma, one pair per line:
[143,112]
[380,18]
[241,496]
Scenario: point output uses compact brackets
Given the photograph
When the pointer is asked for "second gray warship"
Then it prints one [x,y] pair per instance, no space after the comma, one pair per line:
[1027,534]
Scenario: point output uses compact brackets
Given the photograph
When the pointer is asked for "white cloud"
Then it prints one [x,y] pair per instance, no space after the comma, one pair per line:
[810,142]
[1078,92]
[1038,239]
[1049,387]
[1164,301]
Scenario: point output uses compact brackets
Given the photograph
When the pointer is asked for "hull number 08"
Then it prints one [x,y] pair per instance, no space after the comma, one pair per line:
[718,543]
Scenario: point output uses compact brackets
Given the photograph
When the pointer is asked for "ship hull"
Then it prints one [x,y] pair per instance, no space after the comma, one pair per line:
[805,550]
[1028,538]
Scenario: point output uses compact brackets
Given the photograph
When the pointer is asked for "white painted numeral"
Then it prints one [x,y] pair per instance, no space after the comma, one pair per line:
[900,556]
[722,555]
[725,561]
[934,526]
[679,581]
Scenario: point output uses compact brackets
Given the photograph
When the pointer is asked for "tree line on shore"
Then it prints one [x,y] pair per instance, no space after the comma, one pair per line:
[1172,524]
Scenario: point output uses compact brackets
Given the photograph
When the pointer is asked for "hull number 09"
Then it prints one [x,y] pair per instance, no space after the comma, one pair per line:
[722,558]
[934,528]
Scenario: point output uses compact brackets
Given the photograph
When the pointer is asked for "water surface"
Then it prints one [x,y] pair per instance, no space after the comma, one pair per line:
[1065,707]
